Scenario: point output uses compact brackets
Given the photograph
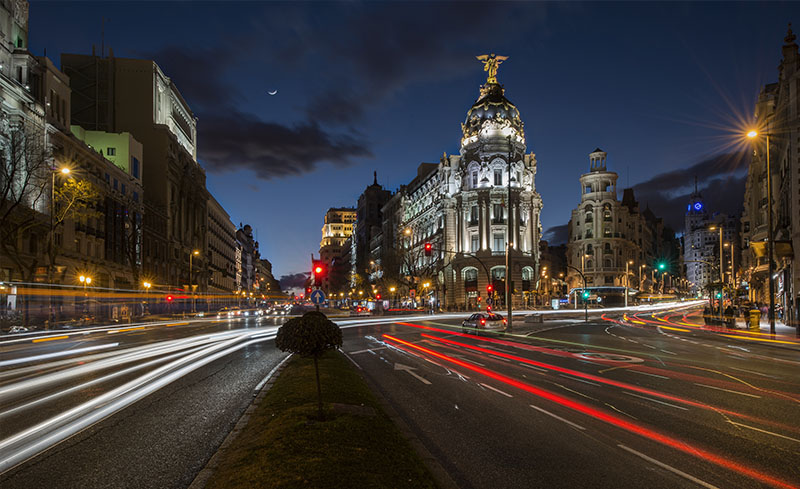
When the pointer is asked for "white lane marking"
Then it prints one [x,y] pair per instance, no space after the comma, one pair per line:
[655,400]
[36,358]
[669,467]
[574,425]
[764,431]
[648,374]
[410,370]
[753,372]
[499,358]
[649,346]
[496,390]
[728,390]
[367,350]
[535,368]
[578,379]
[351,359]
[670,352]
[270,374]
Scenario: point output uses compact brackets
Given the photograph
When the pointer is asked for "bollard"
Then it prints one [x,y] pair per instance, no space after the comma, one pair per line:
[755,320]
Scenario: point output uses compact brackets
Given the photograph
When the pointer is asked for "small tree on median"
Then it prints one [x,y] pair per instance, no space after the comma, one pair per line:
[310,336]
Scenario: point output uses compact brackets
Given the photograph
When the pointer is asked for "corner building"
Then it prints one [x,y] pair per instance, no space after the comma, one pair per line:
[469,207]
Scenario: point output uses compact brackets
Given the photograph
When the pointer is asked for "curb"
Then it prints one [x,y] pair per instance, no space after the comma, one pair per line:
[202,477]
[440,475]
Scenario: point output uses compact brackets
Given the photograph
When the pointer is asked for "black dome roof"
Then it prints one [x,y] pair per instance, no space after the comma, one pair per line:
[491,105]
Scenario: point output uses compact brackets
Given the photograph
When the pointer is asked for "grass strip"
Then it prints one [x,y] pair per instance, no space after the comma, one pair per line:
[285,446]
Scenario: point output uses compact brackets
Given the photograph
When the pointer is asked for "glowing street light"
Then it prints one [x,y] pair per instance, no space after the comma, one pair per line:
[752,134]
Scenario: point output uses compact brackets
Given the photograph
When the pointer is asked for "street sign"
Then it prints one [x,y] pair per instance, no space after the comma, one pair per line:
[317,297]
[412,293]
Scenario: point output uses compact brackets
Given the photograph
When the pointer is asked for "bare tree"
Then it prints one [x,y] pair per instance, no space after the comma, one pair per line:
[25,163]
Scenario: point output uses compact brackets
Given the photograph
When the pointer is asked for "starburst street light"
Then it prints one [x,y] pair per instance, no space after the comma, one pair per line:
[752,134]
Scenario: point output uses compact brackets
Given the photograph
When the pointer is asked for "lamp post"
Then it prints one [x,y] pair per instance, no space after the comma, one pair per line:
[629,262]
[85,281]
[191,270]
[53,172]
[509,243]
[585,302]
[146,286]
[770,237]
[721,270]
[394,296]
[641,268]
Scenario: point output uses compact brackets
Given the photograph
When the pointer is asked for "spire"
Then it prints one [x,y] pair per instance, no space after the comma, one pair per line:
[375,178]
[790,37]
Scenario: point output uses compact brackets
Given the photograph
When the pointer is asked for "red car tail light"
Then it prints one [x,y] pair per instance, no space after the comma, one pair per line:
[483,322]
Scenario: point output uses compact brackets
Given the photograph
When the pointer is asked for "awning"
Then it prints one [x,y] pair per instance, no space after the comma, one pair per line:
[783,249]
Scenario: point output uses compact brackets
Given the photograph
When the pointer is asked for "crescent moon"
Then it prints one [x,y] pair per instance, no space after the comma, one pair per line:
[273,92]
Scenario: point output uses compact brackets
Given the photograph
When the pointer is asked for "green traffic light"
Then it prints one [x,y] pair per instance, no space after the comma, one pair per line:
[662,266]
[585,294]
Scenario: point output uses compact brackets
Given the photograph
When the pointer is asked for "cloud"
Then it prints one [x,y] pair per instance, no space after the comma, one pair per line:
[294,281]
[234,140]
[721,182]
[197,75]
[556,235]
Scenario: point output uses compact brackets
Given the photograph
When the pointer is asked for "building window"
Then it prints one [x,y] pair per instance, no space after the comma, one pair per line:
[473,215]
[135,167]
[499,242]
[115,184]
[498,177]
[498,213]
[123,189]
[108,178]
[474,178]
[474,244]
[111,151]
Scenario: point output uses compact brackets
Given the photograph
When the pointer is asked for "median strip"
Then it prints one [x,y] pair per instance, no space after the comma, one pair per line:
[284,445]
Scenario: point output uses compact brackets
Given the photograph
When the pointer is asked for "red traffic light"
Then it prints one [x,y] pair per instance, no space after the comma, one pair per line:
[489,288]
[428,249]
[318,269]
[169,298]
[378,296]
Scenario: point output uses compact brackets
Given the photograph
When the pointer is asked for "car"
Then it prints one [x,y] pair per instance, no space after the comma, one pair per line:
[483,321]
[18,329]
[359,311]
[229,312]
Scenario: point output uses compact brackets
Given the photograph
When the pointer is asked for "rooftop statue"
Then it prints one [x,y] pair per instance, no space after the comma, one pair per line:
[490,64]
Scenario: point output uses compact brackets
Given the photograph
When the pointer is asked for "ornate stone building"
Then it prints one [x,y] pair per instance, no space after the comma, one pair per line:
[606,233]
[333,247]
[468,207]
[777,114]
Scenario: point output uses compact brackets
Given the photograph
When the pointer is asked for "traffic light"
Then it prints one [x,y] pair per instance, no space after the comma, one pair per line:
[662,266]
[428,249]
[169,298]
[585,294]
[308,291]
[378,296]
[489,289]
[319,269]
[719,295]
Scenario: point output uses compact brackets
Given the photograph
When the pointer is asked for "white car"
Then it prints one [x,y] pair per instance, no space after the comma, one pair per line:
[483,321]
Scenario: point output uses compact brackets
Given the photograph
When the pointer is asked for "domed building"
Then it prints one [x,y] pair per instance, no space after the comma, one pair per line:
[468,207]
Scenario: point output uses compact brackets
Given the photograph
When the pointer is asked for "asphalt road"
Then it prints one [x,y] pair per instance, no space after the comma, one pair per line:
[625,401]
[604,404]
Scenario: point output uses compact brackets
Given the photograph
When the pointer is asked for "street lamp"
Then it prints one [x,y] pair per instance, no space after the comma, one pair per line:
[85,281]
[629,262]
[191,270]
[721,269]
[770,236]
[146,286]
[53,172]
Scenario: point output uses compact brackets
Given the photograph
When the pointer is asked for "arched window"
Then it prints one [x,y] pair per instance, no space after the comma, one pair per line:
[589,233]
[607,263]
[588,263]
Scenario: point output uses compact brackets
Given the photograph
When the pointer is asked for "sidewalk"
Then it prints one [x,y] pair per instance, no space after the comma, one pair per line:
[780,328]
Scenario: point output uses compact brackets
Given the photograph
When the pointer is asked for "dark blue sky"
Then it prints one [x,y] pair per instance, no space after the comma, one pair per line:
[385,86]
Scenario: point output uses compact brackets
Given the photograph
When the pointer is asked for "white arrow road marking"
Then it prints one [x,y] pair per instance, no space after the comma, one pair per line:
[410,370]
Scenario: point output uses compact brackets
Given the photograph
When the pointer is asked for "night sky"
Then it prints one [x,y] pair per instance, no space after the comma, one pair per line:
[664,88]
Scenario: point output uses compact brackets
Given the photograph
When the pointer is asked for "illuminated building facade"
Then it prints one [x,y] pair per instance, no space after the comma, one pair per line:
[469,206]
[777,113]
[335,243]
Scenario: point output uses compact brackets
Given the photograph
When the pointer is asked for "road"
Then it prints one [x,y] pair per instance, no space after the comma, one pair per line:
[647,402]
[631,399]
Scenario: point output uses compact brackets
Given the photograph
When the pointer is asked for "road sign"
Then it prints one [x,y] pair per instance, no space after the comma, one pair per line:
[317,297]
[412,293]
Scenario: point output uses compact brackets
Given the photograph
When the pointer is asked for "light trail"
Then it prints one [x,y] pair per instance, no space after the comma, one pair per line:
[608,418]
[172,360]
